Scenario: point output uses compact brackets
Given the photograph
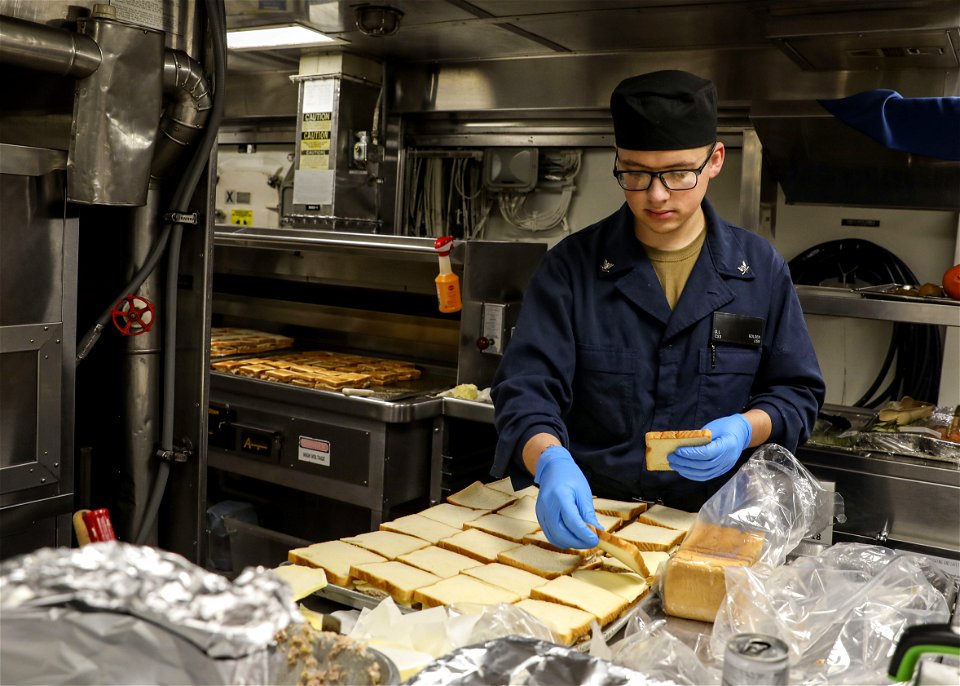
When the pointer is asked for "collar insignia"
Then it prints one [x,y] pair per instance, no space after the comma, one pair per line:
[743,268]
[606,265]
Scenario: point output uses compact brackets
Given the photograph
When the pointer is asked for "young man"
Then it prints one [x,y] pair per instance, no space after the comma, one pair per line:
[660,317]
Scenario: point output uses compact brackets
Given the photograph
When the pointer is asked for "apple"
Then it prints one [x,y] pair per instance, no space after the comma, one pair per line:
[951,282]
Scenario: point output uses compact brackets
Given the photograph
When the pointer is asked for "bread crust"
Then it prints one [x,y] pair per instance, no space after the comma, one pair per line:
[368,573]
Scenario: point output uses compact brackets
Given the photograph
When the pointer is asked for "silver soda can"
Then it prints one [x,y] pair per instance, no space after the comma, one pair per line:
[755,660]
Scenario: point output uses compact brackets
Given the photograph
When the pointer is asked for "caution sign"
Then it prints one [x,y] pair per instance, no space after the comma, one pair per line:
[241,217]
[315,140]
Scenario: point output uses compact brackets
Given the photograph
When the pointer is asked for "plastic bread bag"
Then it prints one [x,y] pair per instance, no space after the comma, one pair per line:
[841,613]
[774,497]
[754,520]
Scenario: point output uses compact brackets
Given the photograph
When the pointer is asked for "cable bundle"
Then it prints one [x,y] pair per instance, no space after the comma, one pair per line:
[557,171]
[917,348]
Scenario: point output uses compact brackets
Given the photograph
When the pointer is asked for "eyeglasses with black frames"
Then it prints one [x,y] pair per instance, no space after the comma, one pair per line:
[672,179]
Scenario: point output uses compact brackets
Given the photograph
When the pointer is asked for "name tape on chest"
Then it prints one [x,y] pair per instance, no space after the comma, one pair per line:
[737,329]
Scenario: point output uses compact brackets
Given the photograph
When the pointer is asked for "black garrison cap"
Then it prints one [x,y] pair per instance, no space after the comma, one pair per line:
[664,110]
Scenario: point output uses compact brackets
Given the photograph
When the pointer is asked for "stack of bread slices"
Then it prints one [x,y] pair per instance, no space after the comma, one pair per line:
[484,546]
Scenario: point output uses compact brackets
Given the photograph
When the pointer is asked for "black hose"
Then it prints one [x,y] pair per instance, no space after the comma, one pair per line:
[216,17]
[915,351]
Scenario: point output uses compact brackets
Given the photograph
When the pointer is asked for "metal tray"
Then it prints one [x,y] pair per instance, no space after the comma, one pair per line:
[350,597]
[887,291]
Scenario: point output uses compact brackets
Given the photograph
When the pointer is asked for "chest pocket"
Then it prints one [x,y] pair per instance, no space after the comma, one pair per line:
[726,378]
[603,394]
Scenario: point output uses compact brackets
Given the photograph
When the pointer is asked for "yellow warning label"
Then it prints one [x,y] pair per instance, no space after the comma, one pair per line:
[241,217]
[314,159]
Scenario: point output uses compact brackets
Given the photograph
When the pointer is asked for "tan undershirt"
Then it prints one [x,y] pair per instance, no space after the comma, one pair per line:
[673,267]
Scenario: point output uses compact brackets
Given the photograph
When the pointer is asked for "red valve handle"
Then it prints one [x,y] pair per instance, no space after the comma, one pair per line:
[133,315]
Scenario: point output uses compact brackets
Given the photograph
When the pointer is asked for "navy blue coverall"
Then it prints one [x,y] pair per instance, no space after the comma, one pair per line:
[598,358]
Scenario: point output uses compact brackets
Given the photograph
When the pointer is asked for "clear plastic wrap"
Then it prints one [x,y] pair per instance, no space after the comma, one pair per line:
[773,495]
[841,613]
[653,649]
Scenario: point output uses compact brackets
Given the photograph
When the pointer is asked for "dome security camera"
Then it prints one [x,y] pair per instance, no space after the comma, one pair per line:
[378,20]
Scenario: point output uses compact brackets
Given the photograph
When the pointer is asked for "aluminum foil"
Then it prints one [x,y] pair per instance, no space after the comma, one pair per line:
[224,619]
[516,660]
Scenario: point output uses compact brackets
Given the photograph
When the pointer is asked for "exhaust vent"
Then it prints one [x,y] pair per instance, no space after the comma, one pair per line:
[926,38]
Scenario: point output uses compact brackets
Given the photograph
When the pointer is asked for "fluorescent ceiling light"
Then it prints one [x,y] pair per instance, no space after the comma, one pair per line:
[286,36]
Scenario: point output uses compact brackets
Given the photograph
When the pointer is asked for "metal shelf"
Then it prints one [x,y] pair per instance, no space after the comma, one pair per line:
[841,302]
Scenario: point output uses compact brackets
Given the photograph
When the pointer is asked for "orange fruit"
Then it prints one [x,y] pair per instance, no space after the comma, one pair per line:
[951,282]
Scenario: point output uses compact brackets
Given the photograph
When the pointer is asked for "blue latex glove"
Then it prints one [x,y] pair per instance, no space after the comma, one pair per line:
[564,502]
[731,436]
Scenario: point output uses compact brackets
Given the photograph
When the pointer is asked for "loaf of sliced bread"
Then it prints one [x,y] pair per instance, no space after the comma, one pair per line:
[540,561]
[333,557]
[463,589]
[525,509]
[694,584]
[661,443]
[629,586]
[397,579]
[436,560]
[451,515]
[420,527]
[567,623]
[602,604]
[624,509]
[650,537]
[513,579]
[481,497]
[671,518]
[389,544]
[504,527]
[477,544]
[301,579]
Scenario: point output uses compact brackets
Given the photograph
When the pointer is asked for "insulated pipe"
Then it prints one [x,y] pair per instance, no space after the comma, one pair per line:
[189,103]
[43,48]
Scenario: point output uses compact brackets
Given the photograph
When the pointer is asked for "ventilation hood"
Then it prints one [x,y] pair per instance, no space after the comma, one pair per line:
[819,159]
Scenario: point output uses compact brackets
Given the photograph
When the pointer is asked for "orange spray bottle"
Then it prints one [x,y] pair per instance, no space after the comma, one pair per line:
[448,283]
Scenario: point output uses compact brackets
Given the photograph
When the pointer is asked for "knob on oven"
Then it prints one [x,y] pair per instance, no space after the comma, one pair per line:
[483,342]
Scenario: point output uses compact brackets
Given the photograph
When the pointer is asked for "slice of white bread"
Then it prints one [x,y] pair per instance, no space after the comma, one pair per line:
[420,527]
[567,623]
[387,543]
[504,485]
[693,578]
[609,522]
[662,443]
[302,580]
[335,558]
[525,509]
[504,527]
[451,515]
[628,585]
[652,559]
[539,561]
[650,537]
[624,509]
[623,550]
[539,538]
[511,578]
[436,560]
[602,604]
[463,589]
[480,497]
[396,578]
[661,515]
[477,544]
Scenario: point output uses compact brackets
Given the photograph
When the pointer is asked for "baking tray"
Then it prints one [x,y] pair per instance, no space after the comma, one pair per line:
[887,291]
[352,598]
